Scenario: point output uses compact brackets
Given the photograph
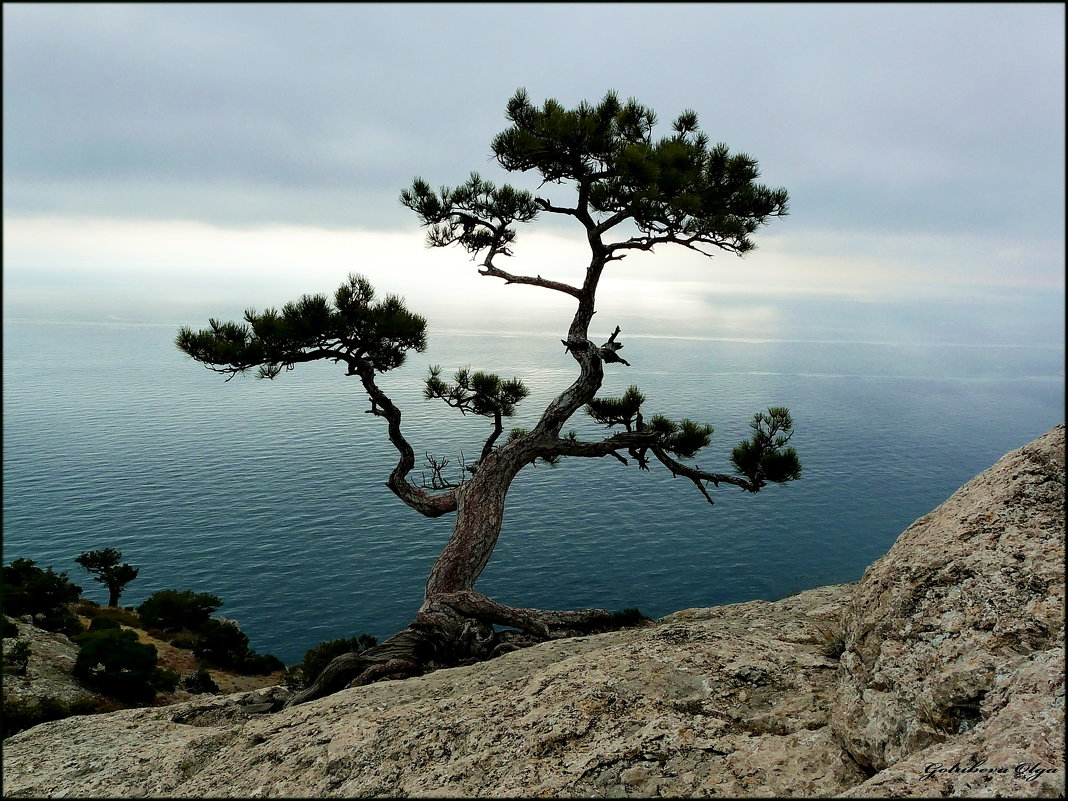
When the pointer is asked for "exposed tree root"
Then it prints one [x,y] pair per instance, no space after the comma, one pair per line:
[454,629]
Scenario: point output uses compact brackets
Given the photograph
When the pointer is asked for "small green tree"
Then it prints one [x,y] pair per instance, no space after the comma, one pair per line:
[171,610]
[629,192]
[113,662]
[106,568]
[220,642]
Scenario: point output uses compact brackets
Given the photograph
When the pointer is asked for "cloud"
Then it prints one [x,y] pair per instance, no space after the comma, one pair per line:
[915,117]
[198,156]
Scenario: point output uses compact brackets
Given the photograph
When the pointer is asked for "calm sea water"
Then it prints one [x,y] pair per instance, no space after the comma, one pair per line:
[271,494]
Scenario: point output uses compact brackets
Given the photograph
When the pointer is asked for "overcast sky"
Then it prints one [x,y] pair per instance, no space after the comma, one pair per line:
[161,160]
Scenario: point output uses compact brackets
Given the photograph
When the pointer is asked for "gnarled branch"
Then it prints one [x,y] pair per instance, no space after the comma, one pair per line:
[416,497]
[697,476]
[496,272]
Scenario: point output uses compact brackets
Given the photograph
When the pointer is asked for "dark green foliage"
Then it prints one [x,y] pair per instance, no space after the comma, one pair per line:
[181,639]
[292,677]
[199,682]
[317,658]
[10,629]
[114,663]
[29,590]
[831,640]
[834,645]
[480,393]
[617,411]
[171,610]
[684,438]
[352,328]
[20,715]
[453,215]
[765,456]
[60,620]
[91,610]
[223,644]
[673,189]
[103,623]
[17,657]
[165,679]
[675,186]
[254,664]
[105,565]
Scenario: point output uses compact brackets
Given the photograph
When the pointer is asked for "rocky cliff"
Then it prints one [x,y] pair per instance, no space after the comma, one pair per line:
[939,673]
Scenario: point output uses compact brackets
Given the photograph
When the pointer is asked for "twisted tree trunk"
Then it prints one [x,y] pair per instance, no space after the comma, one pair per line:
[455,624]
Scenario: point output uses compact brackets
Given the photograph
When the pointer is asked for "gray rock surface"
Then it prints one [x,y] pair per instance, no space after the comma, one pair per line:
[49,668]
[968,595]
[953,658]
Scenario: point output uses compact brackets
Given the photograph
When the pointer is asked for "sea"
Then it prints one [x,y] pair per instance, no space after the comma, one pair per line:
[271,494]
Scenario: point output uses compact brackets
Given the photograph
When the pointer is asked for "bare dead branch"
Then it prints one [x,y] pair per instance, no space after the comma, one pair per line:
[497,272]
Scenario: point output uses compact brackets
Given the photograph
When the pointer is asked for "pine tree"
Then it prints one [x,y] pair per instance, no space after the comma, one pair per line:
[105,566]
[632,192]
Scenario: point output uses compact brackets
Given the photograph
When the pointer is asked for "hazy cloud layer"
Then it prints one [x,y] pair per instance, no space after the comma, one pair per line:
[900,116]
[922,145]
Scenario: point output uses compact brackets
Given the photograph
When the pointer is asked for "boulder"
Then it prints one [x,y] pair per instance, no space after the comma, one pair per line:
[969,595]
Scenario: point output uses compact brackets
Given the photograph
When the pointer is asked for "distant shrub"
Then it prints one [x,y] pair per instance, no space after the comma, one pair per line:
[60,620]
[834,645]
[113,662]
[126,617]
[292,677]
[20,715]
[86,608]
[17,657]
[182,639]
[45,594]
[172,610]
[199,682]
[103,624]
[317,658]
[254,664]
[221,643]
[165,679]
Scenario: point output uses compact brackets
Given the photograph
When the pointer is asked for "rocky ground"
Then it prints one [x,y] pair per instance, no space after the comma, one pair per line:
[940,673]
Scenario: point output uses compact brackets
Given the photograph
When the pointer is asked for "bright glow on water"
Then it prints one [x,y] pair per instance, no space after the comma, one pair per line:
[271,494]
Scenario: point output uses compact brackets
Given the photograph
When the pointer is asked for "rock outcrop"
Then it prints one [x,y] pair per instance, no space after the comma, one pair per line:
[968,596]
[49,669]
[940,673]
